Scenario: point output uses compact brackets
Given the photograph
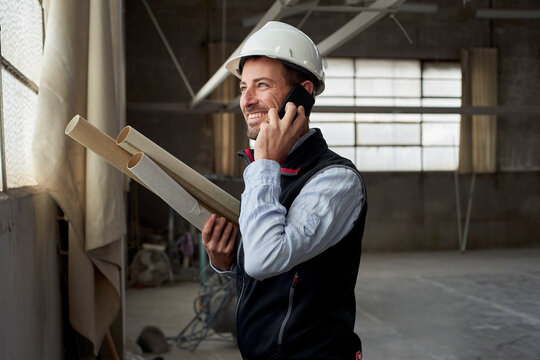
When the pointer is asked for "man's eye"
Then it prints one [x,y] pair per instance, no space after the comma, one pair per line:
[242,89]
[262,85]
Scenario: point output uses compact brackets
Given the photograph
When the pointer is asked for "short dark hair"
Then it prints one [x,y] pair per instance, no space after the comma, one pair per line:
[292,73]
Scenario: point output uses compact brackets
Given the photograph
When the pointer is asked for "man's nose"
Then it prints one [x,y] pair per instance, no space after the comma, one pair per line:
[248,98]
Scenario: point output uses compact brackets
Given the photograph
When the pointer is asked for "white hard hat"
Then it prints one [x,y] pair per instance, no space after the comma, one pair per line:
[286,43]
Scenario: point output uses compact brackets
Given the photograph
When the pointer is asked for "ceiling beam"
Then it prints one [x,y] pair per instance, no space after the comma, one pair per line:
[276,12]
[357,9]
[312,6]
[358,24]
[508,14]
[279,9]
[212,107]
[352,28]
[463,110]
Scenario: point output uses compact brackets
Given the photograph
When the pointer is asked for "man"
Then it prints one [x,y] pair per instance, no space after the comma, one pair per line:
[302,214]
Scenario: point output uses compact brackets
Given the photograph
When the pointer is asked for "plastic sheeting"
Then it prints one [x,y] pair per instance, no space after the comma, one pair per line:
[80,74]
[19,104]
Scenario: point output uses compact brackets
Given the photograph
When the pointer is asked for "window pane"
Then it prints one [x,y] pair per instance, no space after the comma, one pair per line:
[388,134]
[444,118]
[375,117]
[388,158]
[371,117]
[439,87]
[440,158]
[346,151]
[19,107]
[442,70]
[329,101]
[407,102]
[387,68]
[22,35]
[337,134]
[440,134]
[440,102]
[388,87]
[332,101]
[339,87]
[338,67]
[387,101]
[375,101]
[331,117]
[394,141]
[1,170]
[414,102]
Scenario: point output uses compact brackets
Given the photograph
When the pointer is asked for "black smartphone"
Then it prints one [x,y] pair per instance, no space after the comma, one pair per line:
[299,96]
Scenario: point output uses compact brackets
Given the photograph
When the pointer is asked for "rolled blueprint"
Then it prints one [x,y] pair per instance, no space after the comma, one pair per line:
[82,131]
[157,180]
[207,193]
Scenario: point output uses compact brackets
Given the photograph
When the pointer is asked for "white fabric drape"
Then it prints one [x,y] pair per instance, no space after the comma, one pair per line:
[82,73]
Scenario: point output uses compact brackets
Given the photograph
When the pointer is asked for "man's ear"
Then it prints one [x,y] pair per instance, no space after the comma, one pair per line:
[308,85]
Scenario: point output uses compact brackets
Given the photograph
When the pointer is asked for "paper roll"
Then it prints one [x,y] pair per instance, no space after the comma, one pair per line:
[168,189]
[207,193]
[103,145]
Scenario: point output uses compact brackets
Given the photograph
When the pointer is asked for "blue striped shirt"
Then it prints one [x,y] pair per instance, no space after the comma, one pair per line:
[275,240]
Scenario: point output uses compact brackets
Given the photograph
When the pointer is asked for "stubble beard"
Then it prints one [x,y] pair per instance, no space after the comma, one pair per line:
[253,133]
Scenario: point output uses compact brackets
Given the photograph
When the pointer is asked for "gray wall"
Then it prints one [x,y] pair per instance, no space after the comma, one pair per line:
[417,211]
[408,211]
[30,303]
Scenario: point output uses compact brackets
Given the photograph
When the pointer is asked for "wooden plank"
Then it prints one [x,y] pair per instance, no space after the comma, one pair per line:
[484,93]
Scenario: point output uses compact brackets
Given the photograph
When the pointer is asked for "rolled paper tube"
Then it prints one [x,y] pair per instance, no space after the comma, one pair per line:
[168,189]
[207,193]
[100,143]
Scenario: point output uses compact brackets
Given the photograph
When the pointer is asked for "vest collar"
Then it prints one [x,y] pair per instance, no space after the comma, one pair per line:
[291,164]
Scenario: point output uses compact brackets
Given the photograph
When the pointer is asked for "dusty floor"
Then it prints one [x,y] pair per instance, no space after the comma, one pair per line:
[430,305]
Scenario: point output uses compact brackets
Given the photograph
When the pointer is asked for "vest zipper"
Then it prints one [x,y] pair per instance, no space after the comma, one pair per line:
[289,309]
[239,296]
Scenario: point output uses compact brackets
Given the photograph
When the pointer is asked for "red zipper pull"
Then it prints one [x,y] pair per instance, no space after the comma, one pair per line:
[295,280]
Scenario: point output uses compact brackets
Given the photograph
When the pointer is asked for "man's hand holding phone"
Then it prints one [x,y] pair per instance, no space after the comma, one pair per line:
[278,136]
[285,126]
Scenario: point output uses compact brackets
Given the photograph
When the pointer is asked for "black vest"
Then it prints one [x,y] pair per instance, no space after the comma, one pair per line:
[309,311]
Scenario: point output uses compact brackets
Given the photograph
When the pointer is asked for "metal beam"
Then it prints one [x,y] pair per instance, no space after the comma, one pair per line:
[282,8]
[211,107]
[463,110]
[168,48]
[358,24]
[343,9]
[508,13]
[276,12]
[408,7]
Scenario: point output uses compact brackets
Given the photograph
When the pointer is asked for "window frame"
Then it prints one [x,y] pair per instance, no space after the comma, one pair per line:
[421,122]
[23,79]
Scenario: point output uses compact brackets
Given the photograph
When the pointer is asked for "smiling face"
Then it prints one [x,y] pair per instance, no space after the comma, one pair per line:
[263,86]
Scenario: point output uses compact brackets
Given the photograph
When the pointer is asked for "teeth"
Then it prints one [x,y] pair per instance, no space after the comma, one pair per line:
[255,115]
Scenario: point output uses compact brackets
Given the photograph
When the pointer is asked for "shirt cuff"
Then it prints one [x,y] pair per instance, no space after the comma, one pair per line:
[262,172]
[228,273]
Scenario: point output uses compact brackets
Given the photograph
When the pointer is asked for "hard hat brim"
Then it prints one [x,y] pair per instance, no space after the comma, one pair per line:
[233,66]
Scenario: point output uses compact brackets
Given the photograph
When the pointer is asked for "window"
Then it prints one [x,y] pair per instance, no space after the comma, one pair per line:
[391,141]
[21,47]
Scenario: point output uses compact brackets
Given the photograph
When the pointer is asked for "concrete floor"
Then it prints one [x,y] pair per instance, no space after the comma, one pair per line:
[430,305]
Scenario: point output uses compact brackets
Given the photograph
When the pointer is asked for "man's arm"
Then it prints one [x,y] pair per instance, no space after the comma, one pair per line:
[275,240]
